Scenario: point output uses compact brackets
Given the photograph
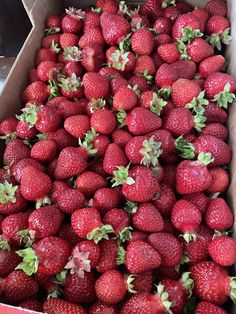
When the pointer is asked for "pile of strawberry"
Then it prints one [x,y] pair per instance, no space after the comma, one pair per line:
[112,189]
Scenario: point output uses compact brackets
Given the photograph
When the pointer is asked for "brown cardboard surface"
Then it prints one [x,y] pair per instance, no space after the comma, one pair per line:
[38,10]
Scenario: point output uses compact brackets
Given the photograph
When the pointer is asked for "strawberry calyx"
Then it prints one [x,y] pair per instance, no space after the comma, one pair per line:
[233,289]
[189,237]
[26,236]
[163,295]
[124,45]
[135,89]
[185,258]
[30,115]
[124,235]
[225,97]
[7,192]
[77,13]
[52,30]
[119,59]
[98,103]
[167,3]
[121,253]
[131,207]
[198,103]
[79,263]
[72,53]
[223,37]
[97,10]
[124,8]
[148,77]
[29,264]
[188,283]
[100,233]
[4,244]
[189,34]
[199,121]
[205,158]
[71,83]
[54,47]
[121,176]
[88,142]
[129,282]
[120,117]
[60,277]
[165,92]
[220,234]
[151,150]
[226,37]
[157,104]
[42,202]
[186,150]
[182,50]
[8,137]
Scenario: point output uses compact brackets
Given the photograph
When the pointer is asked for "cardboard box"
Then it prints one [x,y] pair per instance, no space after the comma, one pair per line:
[38,11]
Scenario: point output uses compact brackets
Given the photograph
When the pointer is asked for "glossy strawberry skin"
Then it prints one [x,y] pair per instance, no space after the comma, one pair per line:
[216,7]
[105,199]
[114,157]
[44,150]
[220,180]
[108,255]
[100,307]
[57,306]
[117,218]
[222,251]
[9,207]
[185,20]
[211,65]
[191,88]
[216,129]
[8,262]
[15,151]
[93,249]
[177,294]
[142,42]
[165,199]
[179,121]
[216,82]
[199,50]
[13,224]
[77,125]
[205,307]
[103,121]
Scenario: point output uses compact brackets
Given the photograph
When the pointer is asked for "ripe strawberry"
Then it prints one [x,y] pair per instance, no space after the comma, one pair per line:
[15,151]
[220,88]
[124,99]
[46,70]
[165,77]
[103,121]
[218,29]
[63,139]
[205,307]
[120,221]
[220,180]
[34,190]
[165,199]
[114,157]
[197,50]
[77,289]
[91,20]
[105,199]
[121,137]
[169,53]
[116,83]
[67,233]
[92,36]
[114,28]
[68,40]
[186,27]
[8,261]
[17,287]
[36,92]
[103,308]
[111,287]
[119,60]
[202,16]
[218,215]
[192,90]
[216,7]
[108,257]
[139,82]
[25,131]
[77,125]
[138,20]
[71,87]
[71,22]
[223,250]
[198,199]
[48,257]
[186,69]
[211,282]
[69,108]
[53,21]
[215,114]
[92,57]
[145,66]
[95,85]
[142,42]
[152,9]
[140,257]
[147,218]
[150,100]
[162,25]
[58,306]
[46,54]
[11,199]
[168,246]
[211,65]
[193,176]
[186,217]
[32,304]
[8,127]
[217,130]
[50,41]
[73,67]
[89,182]
[45,221]
[12,224]
[71,162]
[44,150]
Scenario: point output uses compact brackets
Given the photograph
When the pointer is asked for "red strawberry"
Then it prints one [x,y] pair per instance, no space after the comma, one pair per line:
[15,151]
[215,114]
[162,25]
[8,126]
[152,9]
[202,16]
[71,162]
[211,282]
[89,182]
[71,22]
[150,100]
[95,85]
[165,199]
[218,215]
[108,257]
[168,247]
[58,306]
[71,87]
[116,83]
[32,304]
[216,7]
[191,88]
[124,99]
[77,125]
[69,108]
[24,130]
[91,20]
[140,257]
[186,27]
[34,190]
[44,150]
[220,180]
[199,199]
[197,50]
[12,224]
[63,139]
[165,77]
[217,130]
[114,28]
[105,199]
[8,261]
[220,88]
[91,36]
[218,29]
[147,218]
[17,287]
[186,69]
[92,57]
[46,54]
[103,308]
[114,157]
[142,42]
[36,92]
[142,282]
[67,233]
[109,6]
[120,221]
[77,289]
[211,65]
[103,121]
[138,235]
[205,307]
[145,66]
[48,42]
[186,217]
[122,61]
[121,137]
[223,250]
[169,53]
[53,21]
[73,67]
[193,176]
[45,221]
[48,257]
[111,287]
[68,40]
[46,70]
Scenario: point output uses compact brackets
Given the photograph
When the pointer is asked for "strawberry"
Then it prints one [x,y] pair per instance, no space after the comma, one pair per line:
[107,261]
[67,233]
[220,180]
[77,289]
[121,137]
[73,67]
[222,250]
[17,287]
[53,21]
[45,221]
[36,92]
[116,83]
[205,307]
[50,41]
[162,25]
[186,27]
[46,70]
[152,101]
[103,308]
[165,77]
[44,150]
[212,282]
[147,218]
[220,87]
[48,256]
[92,36]
[197,50]
[91,20]
[57,306]
[169,53]
[168,246]
[138,20]
[109,6]
[139,82]
[159,40]
[142,42]
[71,87]
[165,199]
[77,125]
[86,222]
[69,108]
[193,176]
[142,282]
[218,215]
[124,99]
[113,158]
[8,261]
[103,121]
[152,9]
[138,184]
[202,16]
[215,114]
[32,304]
[47,54]
[11,199]
[216,7]
[63,139]
[68,40]
[120,221]
[166,140]
[12,224]
[89,182]
[145,66]
[211,65]
[120,60]
[105,199]
[217,130]
[199,199]
[8,127]
[15,151]
[95,85]
[192,90]
[114,28]
[71,162]
[34,190]
[111,287]
[92,57]
[71,22]
[25,131]
[140,257]
[186,218]
[141,121]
